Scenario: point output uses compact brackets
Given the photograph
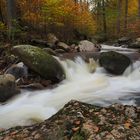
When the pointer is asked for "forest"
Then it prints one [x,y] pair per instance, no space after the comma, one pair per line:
[70,20]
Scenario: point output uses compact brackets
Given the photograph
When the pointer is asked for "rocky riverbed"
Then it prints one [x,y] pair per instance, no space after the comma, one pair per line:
[76,120]
[80,121]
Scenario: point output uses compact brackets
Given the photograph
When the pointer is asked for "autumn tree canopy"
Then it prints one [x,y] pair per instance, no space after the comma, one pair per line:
[70,19]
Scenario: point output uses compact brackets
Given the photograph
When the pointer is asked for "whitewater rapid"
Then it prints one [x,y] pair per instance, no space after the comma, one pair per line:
[96,88]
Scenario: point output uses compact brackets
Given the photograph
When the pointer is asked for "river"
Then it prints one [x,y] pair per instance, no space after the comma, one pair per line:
[98,88]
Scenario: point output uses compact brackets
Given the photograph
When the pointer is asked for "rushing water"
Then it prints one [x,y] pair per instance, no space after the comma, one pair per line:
[96,88]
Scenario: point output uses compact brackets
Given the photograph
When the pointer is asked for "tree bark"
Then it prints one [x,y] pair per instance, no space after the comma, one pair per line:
[1,16]
[126,14]
[104,18]
[139,8]
[11,14]
[119,15]
[98,15]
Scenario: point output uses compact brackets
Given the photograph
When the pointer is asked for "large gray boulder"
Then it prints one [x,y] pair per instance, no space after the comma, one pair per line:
[40,62]
[87,46]
[114,62]
[18,70]
[8,87]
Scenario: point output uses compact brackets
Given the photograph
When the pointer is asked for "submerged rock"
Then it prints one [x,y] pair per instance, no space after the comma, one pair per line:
[40,62]
[80,121]
[92,65]
[8,87]
[114,62]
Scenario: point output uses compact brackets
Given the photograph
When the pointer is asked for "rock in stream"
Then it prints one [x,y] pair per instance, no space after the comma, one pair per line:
[40,62]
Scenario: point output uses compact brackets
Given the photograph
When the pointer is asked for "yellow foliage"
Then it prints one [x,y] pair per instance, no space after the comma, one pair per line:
[2,27]
[58,13]
[132,7]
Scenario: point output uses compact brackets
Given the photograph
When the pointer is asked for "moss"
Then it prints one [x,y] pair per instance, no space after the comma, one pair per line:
[78,137]
[105,128]
[115,112]
[40,62]
[96,119]
[113,122]
[82,135]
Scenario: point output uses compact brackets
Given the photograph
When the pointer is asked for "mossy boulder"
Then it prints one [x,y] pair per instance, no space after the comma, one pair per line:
[8,87]
[40,62]
[50,51]
[114,62]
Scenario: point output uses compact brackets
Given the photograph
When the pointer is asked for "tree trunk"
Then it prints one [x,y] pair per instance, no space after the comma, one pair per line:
[1,16]
[139,8]
[119,15]
[126,14]
[11,14]
[104,18]
[98,15]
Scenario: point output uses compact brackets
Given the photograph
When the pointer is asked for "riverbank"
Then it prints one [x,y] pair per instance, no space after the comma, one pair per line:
[80,121]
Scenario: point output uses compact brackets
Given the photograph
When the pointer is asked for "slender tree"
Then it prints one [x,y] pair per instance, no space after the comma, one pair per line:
[1,16]
[104,18]
[139,8]
[126,14]
[98,11]
[119,15]
[11,14]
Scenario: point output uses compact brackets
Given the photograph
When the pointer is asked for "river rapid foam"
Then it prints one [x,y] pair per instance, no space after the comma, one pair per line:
[98,88]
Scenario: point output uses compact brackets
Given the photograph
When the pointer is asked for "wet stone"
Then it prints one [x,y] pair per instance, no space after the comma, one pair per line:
[80,123]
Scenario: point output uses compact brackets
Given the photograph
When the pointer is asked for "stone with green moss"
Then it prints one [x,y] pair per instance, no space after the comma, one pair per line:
[40,62]
[8,87]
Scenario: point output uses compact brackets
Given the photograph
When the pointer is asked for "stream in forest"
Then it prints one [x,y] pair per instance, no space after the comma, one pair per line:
[98,88]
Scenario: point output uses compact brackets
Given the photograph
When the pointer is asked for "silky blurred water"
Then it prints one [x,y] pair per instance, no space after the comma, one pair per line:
[98,88]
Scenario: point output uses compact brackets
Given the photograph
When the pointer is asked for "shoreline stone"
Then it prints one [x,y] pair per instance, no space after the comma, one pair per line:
[81,121]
